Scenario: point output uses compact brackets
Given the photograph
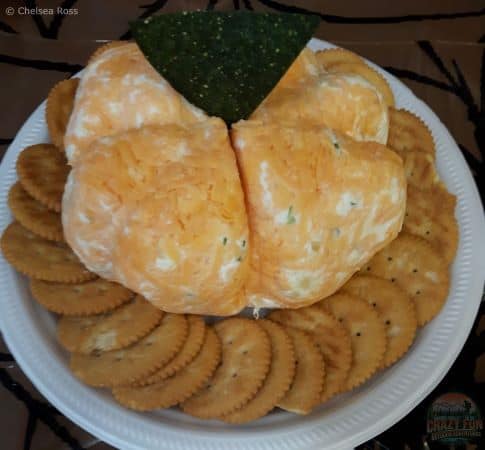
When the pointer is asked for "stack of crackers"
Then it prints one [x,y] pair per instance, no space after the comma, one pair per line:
[237,369]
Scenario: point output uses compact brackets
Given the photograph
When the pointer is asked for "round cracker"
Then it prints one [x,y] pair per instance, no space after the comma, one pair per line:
[113,330]
[420,170]
[60,103]
[130,364]
[430,214]
[39,258]
[415,266]
[80,299]
[180,385]
[34,215]
[305,391]
[367,334]
[43,171]
[394,306]
[408,132]
[246,356]
[327,58]
[332,339]
[190,349]
[369,74]
[278,381]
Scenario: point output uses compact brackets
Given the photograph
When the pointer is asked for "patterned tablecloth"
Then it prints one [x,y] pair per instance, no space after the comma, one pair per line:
[435,47]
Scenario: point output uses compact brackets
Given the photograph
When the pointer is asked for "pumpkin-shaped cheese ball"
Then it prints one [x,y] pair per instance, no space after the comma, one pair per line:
[319,206]
[120,90]
[161,210]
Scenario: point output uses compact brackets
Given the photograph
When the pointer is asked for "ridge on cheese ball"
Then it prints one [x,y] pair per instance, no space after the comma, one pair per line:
[161,210]
[120,90]
[319,205]
[344,102]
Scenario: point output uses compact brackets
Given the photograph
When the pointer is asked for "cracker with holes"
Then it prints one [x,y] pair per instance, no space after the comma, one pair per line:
[395,308]
[39,258]
[177,387]
[430,214]
[278,381]
[420,170]
[414,265]
[367,333]
[130,364]
[109,331]
[33,215]
[332,339]
[42,171]
[306,389]
[246,357]
[192,345]
[369,74]
[59,108]
[408,132]
[80,299]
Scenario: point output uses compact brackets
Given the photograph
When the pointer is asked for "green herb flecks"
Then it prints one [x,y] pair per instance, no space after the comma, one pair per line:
[224,62]
[224,240]
[290,217]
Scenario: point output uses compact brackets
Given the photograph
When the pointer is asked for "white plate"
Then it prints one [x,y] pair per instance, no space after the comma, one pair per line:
[342,423]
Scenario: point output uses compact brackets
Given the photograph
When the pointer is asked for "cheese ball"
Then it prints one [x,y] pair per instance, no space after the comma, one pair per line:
[344,102]
[120,90]
[161,210]
[319,206]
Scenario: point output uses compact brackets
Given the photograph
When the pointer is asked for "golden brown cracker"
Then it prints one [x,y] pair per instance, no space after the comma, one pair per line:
[128,365]
[408,132]
[246,356]
[34,215]
[420,170]
[369,74]
[430,214]
[43,171]
[332,339]
[177,387]
[39,258]
[60,103]
[414,265]
[305,391]
[278,381]
[329,57]
[80,299]
[187,353]
[112,330]
[367,334]
[394,306]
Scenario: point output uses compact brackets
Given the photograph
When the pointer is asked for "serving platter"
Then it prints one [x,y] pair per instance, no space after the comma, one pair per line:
[342,423]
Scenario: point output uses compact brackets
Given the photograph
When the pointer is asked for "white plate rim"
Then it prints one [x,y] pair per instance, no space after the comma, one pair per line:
[341,426]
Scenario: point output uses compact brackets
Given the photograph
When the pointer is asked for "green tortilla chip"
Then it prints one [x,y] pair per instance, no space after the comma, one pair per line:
[224,63]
